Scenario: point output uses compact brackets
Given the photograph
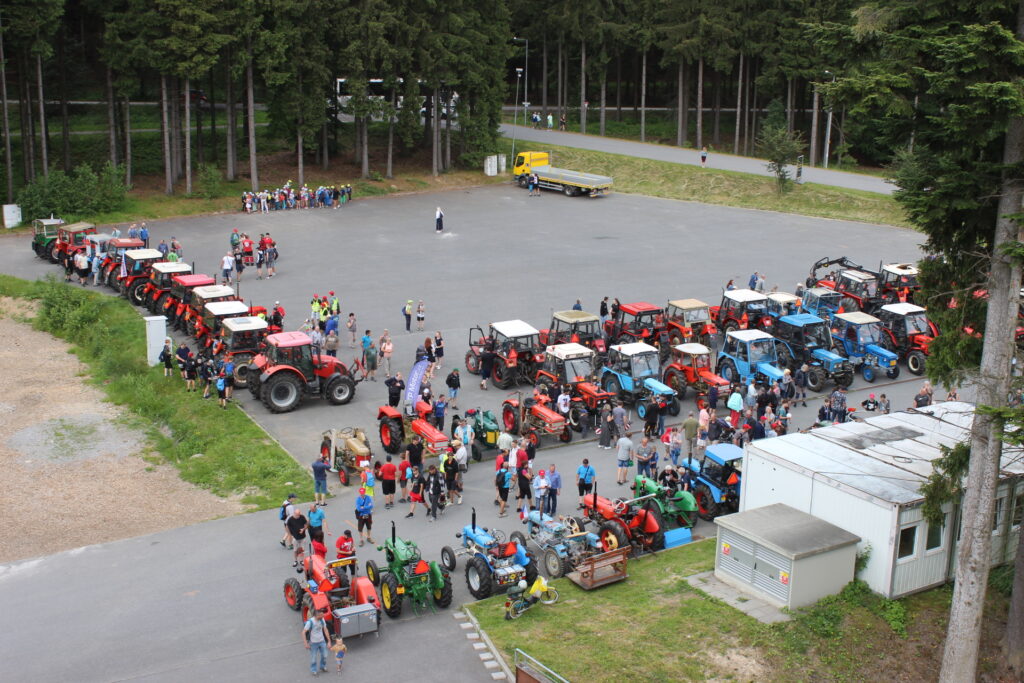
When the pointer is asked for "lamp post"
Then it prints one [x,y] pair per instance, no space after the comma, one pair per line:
[828,125]
[515,115]
[526,61]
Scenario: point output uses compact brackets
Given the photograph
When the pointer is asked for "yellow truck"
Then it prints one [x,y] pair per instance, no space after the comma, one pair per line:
[572,183]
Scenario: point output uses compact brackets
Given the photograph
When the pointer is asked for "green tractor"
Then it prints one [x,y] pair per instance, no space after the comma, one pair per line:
[677,507]
[408,575]
[485,430]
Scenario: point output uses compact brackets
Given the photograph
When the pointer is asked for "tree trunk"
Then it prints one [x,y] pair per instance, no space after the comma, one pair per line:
[213,119]
[8,161]
[44,137]
[166,129]
[700,103]
[789,104]
[173,96]
[27,127]
[815,103]
[739,108]
[200,157]
[389,173]
[583,86]
[299,155]
[558,95]
[325,158]
[686,104]
[111,124]
[618,87]
[715,136]
[963,635]
[448,132]
[366,145]
[434,161]
[188,136]
[679,105]
[643,99]
[65,126]
[752,128]
[250,109]
[604,98]
[544,79]
[1014,644]
[230,143]
[127,141]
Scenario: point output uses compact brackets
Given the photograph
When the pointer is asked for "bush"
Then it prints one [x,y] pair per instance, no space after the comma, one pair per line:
[83,192]
[211,182]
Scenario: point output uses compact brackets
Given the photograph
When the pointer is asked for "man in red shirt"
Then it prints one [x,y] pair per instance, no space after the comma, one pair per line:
[346,548]
[404,469]
[387,478]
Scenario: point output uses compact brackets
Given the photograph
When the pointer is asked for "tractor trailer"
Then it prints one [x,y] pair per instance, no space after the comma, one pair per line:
[572,183]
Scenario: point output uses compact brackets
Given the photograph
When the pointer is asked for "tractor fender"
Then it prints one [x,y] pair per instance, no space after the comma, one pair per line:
[547,415]
[827,358]
[884,355]
[429,432]
[327,381]
[658,387]
[770,371]
[514,402]
[486,560]
[436,575]
[384,412]
[364,592]
[270,372]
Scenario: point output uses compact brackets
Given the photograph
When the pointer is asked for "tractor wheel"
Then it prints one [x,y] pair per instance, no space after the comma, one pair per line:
[372,572]
[786,359]
[843,379]
[612,386]
[252,382]
[893,372]
[307,607]
[500,375]
[518,538]
[850,304]
[887,343]
[577,525]
[641,409]
[566,435]
[677,381]
[675,340]
[293,594]
[707,508]
[343,477]
[657,539]
[135,294]
[390,598]
[510,418]
[478,578]
[674,407]
[815,379]
[161,301]
[282,393]
[867,372]
[448,558]
[111,278]
[554,564]
[391,435]
[476,453]
[190,327]
[472,363]
[915,362]
[612,536]
[443,595]
[730,326]
[340,390]
[55,254]
[533,437]
[241,372]
[727,370]
[574,419]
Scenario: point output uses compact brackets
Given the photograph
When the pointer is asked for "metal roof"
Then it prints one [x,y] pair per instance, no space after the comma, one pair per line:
[575,316]
[570,350]
[245,323]
[143,254]
[634,348]
[726,452]
[288,339]
[692,348]
[172,267]
[98,237]
[886,457]
[514,328]
[901,268]
[126,242]
[686,304]
[639,307]
[800,319]
[744,295]
[903,309]
[226,307]
[51,221]
[77,227]
[789,532]
[820,291]
[213,291]
[750,335]
[194,280]
[783,297]
[857,317]
[861,275]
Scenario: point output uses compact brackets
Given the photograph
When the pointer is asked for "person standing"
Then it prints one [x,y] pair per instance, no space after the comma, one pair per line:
[454,383]
[331,344]
[414,452]
[585,478]
[620,418]
[645,453]
[523,477]
[551,121]
[421,315]
[407,312]
[554,490]
[603,312]
[605,427]
[735,406]
[364,516]
[167,358]
[350,325]
[486,363]
[435,490]
[800,385]
[370,361]
[317,523]
[388,475]
[837,405]
[417,486]
[191,370]
[541,488]
[318,639]
[395,387]
[704,157]
[502,483]
[690,428]
[624,457]
[297,526]
[438,350]
[440,405]
[227,262]
[651,417]
[439,221]
[386,348]
[345,545]
[883,404]
[287,507]
[320,468]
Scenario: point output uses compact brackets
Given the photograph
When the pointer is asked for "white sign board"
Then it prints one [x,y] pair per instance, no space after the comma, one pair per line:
[12,216]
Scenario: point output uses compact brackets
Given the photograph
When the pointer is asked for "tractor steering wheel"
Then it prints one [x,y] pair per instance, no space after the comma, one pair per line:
[620,506]
[498,536]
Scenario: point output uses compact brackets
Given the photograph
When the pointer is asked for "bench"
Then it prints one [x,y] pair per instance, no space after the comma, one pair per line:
[601,570]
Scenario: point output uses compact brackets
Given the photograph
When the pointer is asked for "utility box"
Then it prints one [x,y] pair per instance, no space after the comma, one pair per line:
[491,165]
[357,620]
[783,556]
[156,335]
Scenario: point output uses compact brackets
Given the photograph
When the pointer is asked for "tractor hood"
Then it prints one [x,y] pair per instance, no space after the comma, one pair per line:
[657,387]
[710,378]
[826,357]
[769,371]
[884,356]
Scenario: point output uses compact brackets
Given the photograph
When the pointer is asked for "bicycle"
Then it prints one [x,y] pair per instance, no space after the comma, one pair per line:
[520,599]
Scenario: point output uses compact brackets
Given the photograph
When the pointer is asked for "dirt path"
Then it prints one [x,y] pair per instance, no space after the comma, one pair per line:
[72,473]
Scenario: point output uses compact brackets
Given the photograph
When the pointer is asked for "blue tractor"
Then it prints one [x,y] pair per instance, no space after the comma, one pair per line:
[493,561]
[749,356]
[783,303]
[632,373]
[807,339]
[861,337]
[564,542]
[822,302]
[716,480]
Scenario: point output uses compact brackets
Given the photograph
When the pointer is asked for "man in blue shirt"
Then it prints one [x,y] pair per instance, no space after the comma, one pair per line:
[364,516]
[585,478]
[317,523]
[320,468]
[144,236]
[554,490]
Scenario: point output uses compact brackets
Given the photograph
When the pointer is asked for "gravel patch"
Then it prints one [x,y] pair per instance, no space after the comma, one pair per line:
[73,439]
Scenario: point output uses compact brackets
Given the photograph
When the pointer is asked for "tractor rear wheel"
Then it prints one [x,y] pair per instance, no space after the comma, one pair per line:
[707,508]
[554,564]
[612,536]
[372,572]
[674,407]
[677,381]
[850,304]
[612,386]
[500,375]
[390,598]
[282,393]
[510,418]
[293,594]
[472,363]
[112,278]
[478,578]
[443,595]
[815,379]
[135,294]
[518,538]
[390,434]
[566,435]
[448,558]
[340,390]
[727,370]
[730,326]
[915,362]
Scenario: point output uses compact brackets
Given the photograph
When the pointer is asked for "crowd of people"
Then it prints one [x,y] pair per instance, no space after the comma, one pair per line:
[289,197]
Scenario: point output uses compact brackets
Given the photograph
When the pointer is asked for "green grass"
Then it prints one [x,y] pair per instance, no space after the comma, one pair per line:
[239,459]
[728,188]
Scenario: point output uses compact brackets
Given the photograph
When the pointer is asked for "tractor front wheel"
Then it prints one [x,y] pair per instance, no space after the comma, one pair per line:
[448,558]
[372,572]
[786,359]
[612,536]
[135,294]
[574,419]
[656,538]
[478,578]
[510,418]
[676,380]
[566,435]
[533,437]
[730,326]
[915,362]
[472,363]
[843,379]
[293,594]
[390,434]
[612,386]
[867,372]
[707,508]
[443,595]
[815,379]
[554,564]
[674,407]
[390,598]
[252,381]
[340,390]
[641,410]
[282,393]
[893,372]
[518,538]
[343,476]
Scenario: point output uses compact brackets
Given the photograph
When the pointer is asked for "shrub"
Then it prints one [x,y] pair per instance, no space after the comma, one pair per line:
[211,182]
[84,192]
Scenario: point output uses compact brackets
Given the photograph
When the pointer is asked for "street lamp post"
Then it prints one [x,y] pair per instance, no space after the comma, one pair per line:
[526,81]
[828,125]
[515,115]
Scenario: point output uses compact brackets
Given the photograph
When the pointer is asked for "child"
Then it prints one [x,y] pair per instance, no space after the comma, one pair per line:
[220,391]
[166,357]
[339,650]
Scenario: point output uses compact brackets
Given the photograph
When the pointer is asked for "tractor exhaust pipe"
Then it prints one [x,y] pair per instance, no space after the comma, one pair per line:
[393,541]
[473,520]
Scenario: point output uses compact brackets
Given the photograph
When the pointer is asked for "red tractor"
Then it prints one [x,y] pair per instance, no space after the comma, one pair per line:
[70,240]
[689,320]
[637,322]
[160,280]
[907,332]
[742,309]
[532,418]
[898,282]
[392,428]
[239,341]
[191,317]
[517,350]
[110,266]
[171,304]
[349,605]
[208,326]
[623,523]
[859,286]
[289,369]
[133,275]
[573,364]
[577,327]
[691,367]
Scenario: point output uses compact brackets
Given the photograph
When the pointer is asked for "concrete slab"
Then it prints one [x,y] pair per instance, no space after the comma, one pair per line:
[749,605]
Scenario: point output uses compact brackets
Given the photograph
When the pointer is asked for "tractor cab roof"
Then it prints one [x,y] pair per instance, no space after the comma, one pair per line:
[172,267]
[575,317]
[286,340]
[514,328]
[801,319]
[903,309]
[213,291]
[901,269]
[639,307]
[783,297]
[749,335]
[692,349]
[126,242]
[248,323]
[219,308]
[821,292]
[78,227]
[724,452]
[687,304]
[634,348]
[570,350]
[99,238]
[857,318]
[48,222]
[143,254]
[744,295]
[859,275]
[196,281]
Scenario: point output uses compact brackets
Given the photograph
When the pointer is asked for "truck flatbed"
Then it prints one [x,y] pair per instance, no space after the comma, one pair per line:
[559,179]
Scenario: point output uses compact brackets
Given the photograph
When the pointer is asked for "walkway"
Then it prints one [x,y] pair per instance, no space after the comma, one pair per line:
[678,155]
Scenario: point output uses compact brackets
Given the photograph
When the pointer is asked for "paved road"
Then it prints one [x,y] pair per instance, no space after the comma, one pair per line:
[691,157]
[204,601]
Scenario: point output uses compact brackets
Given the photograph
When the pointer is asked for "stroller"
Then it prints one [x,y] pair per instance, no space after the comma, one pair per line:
[720,430]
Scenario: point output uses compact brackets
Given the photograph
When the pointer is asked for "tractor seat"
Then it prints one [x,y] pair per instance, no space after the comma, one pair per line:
[471,412]
[421,568]
[529,401]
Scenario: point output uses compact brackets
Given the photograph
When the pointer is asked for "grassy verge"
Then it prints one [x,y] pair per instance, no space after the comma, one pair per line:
[654,626]
[728,188]
[238,458]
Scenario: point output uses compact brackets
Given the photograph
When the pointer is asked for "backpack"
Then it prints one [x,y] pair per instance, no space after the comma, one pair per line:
[284,506]
[499,479]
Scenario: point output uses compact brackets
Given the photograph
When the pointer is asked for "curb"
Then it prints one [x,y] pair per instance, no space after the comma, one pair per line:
[490,645]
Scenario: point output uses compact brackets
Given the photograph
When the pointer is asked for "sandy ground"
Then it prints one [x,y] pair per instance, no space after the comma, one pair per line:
[71,473]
